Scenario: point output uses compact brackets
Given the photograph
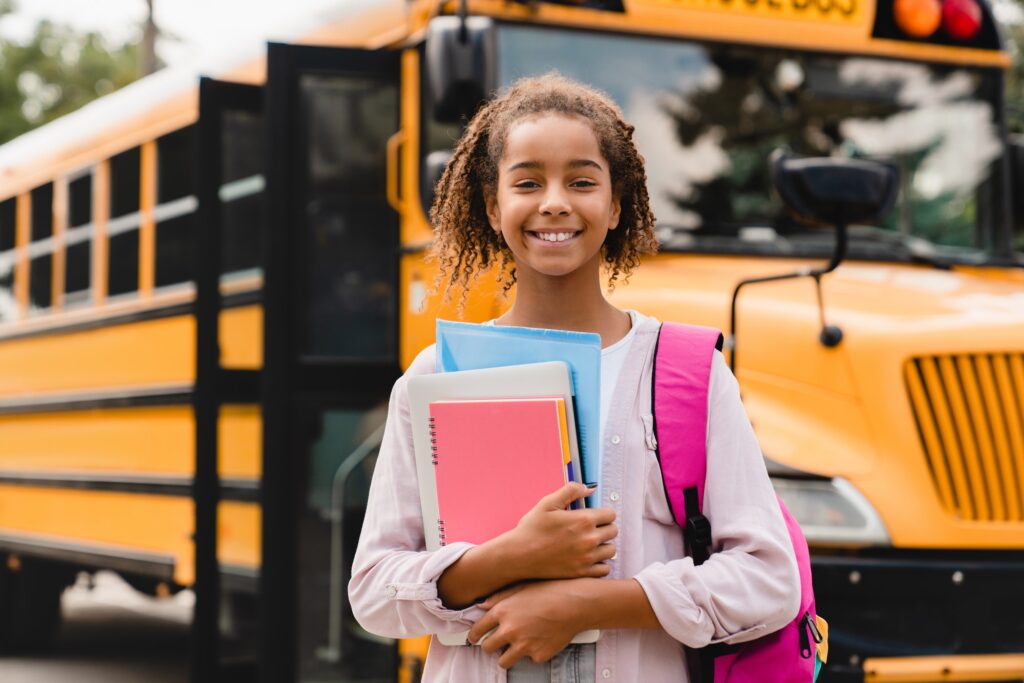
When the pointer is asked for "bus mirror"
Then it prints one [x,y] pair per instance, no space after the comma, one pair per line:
[461,57]
[433,169]
[828,191]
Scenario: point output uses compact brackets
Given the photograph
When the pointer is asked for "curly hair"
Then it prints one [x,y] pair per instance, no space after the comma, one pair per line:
[464,243]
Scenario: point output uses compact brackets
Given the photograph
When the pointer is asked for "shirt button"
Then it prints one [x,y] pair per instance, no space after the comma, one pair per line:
[614,495]
[392,591]
[616,439]
[606,673]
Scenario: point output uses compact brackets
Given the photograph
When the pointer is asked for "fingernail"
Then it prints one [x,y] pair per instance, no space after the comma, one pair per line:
[591,484]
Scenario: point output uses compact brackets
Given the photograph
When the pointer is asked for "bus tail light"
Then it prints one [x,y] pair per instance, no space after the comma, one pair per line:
[961,18]
[918,18]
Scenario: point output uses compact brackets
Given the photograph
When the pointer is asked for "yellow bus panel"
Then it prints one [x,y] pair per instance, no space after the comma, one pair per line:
[241,337]
[157,524]
[132,354]
[156,440]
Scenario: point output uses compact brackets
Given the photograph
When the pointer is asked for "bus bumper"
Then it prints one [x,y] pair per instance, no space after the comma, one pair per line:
[922,616]
[961,668]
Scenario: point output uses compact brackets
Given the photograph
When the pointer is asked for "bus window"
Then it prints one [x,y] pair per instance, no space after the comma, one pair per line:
[78,241]
[175,210]
[123,275]
[241,195]
[124,183]
[8,304]
[351,273]
[40,287]
[123,228]
[709,115]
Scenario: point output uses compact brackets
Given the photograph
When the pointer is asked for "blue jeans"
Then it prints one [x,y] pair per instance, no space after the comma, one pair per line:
[574,664]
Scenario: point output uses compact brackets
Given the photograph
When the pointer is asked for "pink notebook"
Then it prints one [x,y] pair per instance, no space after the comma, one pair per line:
[493,460]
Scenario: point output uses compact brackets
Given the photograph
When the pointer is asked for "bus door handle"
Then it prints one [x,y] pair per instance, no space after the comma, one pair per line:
[395,143]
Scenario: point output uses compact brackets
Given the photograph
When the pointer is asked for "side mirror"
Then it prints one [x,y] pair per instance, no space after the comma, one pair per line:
[433,169]
[831,191]
[826,191]
[462,57]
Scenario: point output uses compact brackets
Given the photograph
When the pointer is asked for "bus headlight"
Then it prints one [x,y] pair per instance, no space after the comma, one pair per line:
[832,512]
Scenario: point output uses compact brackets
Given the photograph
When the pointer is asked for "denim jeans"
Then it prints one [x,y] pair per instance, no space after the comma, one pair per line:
[574,664]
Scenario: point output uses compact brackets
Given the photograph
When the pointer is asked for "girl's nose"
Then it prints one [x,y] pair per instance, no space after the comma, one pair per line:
[555,203]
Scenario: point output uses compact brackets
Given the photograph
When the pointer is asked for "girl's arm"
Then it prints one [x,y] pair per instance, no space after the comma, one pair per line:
[549,542]
[396,588]
[393,589]
[750,585]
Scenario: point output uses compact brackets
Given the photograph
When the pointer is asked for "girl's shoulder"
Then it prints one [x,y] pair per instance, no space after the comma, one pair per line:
[424,362]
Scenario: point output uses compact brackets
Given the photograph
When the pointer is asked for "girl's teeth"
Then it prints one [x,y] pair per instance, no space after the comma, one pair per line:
[555,236]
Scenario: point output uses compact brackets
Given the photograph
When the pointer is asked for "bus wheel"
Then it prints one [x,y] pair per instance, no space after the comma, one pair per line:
[29,604]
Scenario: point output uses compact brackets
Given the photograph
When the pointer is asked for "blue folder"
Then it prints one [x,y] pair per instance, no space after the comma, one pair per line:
[468,346]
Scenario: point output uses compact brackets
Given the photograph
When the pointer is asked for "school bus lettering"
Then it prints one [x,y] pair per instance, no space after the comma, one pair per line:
[842,11]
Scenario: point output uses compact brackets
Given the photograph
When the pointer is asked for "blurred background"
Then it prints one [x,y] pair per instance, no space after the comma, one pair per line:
[931,366]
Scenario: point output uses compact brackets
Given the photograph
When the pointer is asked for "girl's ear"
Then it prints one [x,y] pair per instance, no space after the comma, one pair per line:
[616,212]
[493,214]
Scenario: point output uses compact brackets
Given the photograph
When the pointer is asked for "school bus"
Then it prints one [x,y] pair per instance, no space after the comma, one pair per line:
[209,282]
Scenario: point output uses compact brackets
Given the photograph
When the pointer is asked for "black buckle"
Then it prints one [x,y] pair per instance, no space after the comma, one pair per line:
[698,531]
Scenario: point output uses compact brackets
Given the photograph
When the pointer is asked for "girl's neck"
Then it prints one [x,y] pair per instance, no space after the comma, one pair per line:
[566,303]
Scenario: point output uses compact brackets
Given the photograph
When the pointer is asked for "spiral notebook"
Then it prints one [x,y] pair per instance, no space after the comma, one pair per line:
[521,381]
[493,460]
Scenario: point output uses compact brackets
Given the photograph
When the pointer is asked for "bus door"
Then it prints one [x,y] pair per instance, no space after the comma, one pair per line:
[229,187]
[331,349]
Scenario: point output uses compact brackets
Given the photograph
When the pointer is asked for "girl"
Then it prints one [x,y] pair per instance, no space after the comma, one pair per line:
[547,180]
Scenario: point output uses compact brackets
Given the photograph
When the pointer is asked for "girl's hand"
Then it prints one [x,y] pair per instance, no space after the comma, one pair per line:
[535,620]
[555,543]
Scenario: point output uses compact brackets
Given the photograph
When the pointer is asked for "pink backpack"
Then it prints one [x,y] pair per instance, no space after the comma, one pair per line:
[682,370]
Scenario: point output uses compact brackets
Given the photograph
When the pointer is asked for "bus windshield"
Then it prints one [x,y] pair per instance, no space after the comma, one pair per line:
[708,116]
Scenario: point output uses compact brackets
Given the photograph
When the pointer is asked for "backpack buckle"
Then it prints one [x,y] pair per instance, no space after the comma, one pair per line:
[698,531]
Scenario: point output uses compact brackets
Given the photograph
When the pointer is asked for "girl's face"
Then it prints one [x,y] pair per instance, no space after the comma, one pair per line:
[554,203]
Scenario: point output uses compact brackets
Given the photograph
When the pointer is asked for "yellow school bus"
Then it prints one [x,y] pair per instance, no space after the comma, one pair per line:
[210,280]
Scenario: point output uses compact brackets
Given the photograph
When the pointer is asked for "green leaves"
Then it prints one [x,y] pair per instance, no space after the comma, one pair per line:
[58,70]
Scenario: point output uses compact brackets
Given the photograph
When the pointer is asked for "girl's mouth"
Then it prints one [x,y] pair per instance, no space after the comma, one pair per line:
[554,237]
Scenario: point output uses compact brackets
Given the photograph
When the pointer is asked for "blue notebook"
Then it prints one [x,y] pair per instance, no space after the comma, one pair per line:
[468,346]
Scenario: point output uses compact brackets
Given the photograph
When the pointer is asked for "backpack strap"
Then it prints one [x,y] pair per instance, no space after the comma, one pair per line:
[682,373]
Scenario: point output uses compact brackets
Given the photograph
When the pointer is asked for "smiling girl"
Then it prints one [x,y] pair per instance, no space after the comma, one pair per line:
[548,183]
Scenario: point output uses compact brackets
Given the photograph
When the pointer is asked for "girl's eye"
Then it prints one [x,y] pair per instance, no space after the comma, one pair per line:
[583,182]
[527,185]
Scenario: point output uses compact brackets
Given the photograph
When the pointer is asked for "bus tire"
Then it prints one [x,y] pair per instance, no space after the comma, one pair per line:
[30,613]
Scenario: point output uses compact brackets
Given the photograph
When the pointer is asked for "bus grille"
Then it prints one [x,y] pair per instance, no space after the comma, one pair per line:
[970,418]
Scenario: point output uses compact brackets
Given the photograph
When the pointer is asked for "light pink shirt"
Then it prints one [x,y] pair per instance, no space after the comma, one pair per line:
[748,588]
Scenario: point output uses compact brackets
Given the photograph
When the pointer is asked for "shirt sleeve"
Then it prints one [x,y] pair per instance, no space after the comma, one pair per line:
[750,585]
[393,589]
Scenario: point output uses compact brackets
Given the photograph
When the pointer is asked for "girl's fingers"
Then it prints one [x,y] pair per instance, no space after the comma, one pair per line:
[486,623]
[509,658]
[493,642]
[607,532]
[604,552]
[563,497]
[602,516]
[598,571]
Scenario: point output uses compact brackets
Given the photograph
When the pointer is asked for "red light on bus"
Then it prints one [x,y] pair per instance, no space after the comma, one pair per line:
[961,18]
[918,18]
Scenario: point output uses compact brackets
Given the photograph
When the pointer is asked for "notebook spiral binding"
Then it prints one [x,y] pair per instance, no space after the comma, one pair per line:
[433,441]
[440,532]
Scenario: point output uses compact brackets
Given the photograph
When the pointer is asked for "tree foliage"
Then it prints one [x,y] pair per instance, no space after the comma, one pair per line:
[56,71]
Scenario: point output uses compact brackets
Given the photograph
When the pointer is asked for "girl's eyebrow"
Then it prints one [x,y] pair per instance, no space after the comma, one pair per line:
[537,165]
